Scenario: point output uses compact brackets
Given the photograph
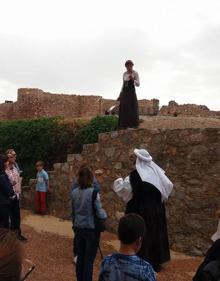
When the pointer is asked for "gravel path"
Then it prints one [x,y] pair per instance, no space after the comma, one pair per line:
[52,253]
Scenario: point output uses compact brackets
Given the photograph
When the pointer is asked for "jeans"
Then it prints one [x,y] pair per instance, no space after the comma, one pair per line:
[87,242]
[4,215]
[15,216]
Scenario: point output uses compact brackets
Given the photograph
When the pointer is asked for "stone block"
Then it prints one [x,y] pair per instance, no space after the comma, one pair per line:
[118,166]
[65,167]
[109,152]
[57,166]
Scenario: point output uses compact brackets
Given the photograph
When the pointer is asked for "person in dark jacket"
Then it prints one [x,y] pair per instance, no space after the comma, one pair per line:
[209,270]
[6,192]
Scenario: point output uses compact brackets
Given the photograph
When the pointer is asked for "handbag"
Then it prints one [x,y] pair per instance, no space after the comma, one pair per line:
[100,224]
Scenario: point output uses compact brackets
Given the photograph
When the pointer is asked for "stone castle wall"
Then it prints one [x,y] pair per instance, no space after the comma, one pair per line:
[191,158]
[175,109]
[34,103]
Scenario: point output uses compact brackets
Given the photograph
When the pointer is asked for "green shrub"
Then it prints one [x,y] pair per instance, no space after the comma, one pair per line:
[47,139]
[99,124]
[50,139]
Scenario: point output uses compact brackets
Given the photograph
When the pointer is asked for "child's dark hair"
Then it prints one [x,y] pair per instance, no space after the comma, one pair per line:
[85,178]
[3,160]
[131,227]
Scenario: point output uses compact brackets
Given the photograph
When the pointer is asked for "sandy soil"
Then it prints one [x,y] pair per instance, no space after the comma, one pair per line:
[50,248]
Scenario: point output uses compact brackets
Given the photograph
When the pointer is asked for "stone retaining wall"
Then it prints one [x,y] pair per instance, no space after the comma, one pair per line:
[191,158]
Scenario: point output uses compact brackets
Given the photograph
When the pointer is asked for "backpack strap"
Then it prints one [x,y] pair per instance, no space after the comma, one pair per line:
[94,197]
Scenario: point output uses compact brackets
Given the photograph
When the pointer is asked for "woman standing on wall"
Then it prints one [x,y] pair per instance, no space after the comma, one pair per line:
[128,108]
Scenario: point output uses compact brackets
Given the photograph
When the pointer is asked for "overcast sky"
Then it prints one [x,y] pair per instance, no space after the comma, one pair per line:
[79,47]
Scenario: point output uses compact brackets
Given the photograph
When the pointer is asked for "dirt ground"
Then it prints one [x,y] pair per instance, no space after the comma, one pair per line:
[49,247]
[179,122]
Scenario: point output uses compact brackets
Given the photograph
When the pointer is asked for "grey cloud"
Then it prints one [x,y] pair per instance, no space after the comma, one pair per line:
[95,66]
[70,63]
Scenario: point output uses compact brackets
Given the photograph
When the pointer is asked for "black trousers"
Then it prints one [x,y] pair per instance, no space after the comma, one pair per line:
[74,244]
[87,242]
[15,216]
[4,215]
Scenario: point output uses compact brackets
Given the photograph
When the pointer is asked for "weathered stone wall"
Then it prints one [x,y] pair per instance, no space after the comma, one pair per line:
[149,107]
[36,103]
[191,158]
[175,109]
[33,103]
[5,110]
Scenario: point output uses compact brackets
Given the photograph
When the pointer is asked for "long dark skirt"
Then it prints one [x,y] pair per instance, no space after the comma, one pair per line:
[128,108]
[147,203]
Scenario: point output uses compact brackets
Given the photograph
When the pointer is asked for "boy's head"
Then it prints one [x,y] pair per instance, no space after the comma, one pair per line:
[131,231]
[39,165]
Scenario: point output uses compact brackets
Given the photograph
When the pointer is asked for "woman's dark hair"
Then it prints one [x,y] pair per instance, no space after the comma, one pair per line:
[11,256]
[3,160]
[131,227]
[129,62]
[85,178]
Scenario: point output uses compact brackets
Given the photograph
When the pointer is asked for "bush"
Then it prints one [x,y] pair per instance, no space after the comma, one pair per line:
[50,139]
[47,139]
[99,124]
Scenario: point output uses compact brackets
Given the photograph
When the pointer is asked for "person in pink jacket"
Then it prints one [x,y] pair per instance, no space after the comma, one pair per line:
[15,179]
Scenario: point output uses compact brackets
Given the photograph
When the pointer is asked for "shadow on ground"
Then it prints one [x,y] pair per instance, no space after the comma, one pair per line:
[50,248]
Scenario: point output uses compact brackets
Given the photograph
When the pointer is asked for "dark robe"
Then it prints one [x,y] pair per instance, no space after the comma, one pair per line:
[128,108]
[147,203]
[210,264]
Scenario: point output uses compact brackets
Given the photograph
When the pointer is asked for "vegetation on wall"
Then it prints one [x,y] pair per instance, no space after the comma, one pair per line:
[99,124]
[50,139]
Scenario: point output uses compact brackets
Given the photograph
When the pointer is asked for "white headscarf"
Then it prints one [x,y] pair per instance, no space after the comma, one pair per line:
[152,173]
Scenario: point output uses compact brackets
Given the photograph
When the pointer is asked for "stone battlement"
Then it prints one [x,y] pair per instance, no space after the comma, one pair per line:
[175,109]
[34,103]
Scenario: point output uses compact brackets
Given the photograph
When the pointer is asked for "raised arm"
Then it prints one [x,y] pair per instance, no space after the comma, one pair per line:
[136,79]
[123,188]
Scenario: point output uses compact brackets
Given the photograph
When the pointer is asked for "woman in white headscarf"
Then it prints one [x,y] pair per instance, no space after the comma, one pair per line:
[145,190]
